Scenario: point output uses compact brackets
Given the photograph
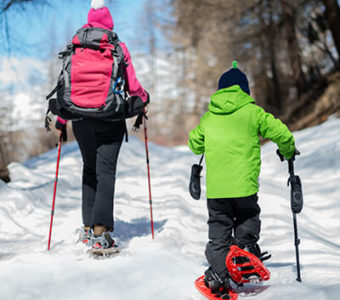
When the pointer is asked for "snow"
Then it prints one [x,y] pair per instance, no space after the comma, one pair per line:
[165,268]
[22,73]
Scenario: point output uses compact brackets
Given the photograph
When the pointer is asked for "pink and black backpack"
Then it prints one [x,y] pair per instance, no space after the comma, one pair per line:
[91,82]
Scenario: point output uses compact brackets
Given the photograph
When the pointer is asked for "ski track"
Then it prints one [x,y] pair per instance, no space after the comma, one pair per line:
[165,268]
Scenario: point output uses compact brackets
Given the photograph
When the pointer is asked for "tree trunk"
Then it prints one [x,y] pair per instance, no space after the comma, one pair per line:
[4,173]
[272,54]
[289,23]
[332,15]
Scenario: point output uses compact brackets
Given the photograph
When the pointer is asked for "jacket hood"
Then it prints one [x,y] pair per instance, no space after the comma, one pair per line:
[228,100]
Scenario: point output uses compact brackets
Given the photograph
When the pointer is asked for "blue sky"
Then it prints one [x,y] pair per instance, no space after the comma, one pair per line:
[36,32]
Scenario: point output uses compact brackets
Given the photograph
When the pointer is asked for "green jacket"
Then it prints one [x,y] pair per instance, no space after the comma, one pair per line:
[228,134]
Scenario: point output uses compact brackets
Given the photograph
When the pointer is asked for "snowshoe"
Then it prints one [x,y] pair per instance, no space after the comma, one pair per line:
[103,241]
[215,293]
[104,252]
[103,245]
[245,267]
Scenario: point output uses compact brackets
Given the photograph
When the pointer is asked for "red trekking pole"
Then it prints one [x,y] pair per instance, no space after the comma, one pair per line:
[148,166]
[55,189]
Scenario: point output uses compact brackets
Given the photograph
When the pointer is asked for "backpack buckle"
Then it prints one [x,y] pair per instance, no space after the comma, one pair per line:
[118,86]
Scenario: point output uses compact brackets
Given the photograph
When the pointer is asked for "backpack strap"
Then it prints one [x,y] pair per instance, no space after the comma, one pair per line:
[119,65]
[115,67]
[56,88]
[118,56]
[48,120]
[66,62]
[61,55]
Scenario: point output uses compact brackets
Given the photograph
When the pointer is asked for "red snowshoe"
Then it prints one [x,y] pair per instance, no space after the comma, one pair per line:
[206,291]
[243,267]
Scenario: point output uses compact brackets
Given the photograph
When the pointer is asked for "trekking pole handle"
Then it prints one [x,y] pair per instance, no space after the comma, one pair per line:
[291,167]
[282,158]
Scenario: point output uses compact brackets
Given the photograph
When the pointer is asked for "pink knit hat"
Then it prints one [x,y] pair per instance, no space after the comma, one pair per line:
[99,13]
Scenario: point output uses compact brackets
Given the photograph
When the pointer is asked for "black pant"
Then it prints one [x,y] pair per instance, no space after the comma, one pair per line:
[99,142]
[241,215]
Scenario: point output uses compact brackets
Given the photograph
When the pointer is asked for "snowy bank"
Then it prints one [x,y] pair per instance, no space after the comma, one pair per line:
[166,267]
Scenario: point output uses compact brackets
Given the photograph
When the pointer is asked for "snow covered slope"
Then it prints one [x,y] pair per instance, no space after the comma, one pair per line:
[166,267]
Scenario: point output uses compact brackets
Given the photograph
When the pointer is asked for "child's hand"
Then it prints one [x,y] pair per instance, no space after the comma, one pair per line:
[282,158]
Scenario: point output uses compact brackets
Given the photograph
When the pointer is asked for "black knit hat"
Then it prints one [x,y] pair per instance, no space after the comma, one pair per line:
[234,77]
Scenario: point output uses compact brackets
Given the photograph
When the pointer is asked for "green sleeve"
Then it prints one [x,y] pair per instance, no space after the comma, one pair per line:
[196,139]
[273,129]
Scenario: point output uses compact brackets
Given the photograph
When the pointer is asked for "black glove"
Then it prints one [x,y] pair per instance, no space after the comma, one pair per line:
[134,107]
[62,128]
[282,158]
[195,181]
[296,152]
[139,121]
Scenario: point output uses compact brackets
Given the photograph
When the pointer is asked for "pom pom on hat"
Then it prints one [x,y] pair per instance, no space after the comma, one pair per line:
[96,4]
[235,64]
[234,77]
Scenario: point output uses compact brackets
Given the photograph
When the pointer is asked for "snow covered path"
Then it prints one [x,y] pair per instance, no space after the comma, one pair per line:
[166,267]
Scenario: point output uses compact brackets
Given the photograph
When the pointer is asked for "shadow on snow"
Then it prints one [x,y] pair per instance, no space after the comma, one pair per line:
[126,231]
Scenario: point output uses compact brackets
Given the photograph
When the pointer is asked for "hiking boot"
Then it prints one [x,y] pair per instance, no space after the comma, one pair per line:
[99,230]
[101,238]
[85,235]
[253,249]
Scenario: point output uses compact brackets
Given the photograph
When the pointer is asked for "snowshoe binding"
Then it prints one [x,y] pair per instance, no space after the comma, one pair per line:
[213,286]
[220,294]
[255,249]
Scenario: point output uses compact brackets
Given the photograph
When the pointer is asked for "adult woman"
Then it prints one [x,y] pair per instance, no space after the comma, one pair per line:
[99,142]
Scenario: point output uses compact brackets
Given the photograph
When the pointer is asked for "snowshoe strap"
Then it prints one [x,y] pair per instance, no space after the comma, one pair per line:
[265,256]
[245,267]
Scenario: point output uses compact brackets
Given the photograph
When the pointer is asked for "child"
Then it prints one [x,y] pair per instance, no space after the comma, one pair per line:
[228,134]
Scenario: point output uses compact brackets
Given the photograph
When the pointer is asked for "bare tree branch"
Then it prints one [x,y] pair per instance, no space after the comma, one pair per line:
[8,4]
